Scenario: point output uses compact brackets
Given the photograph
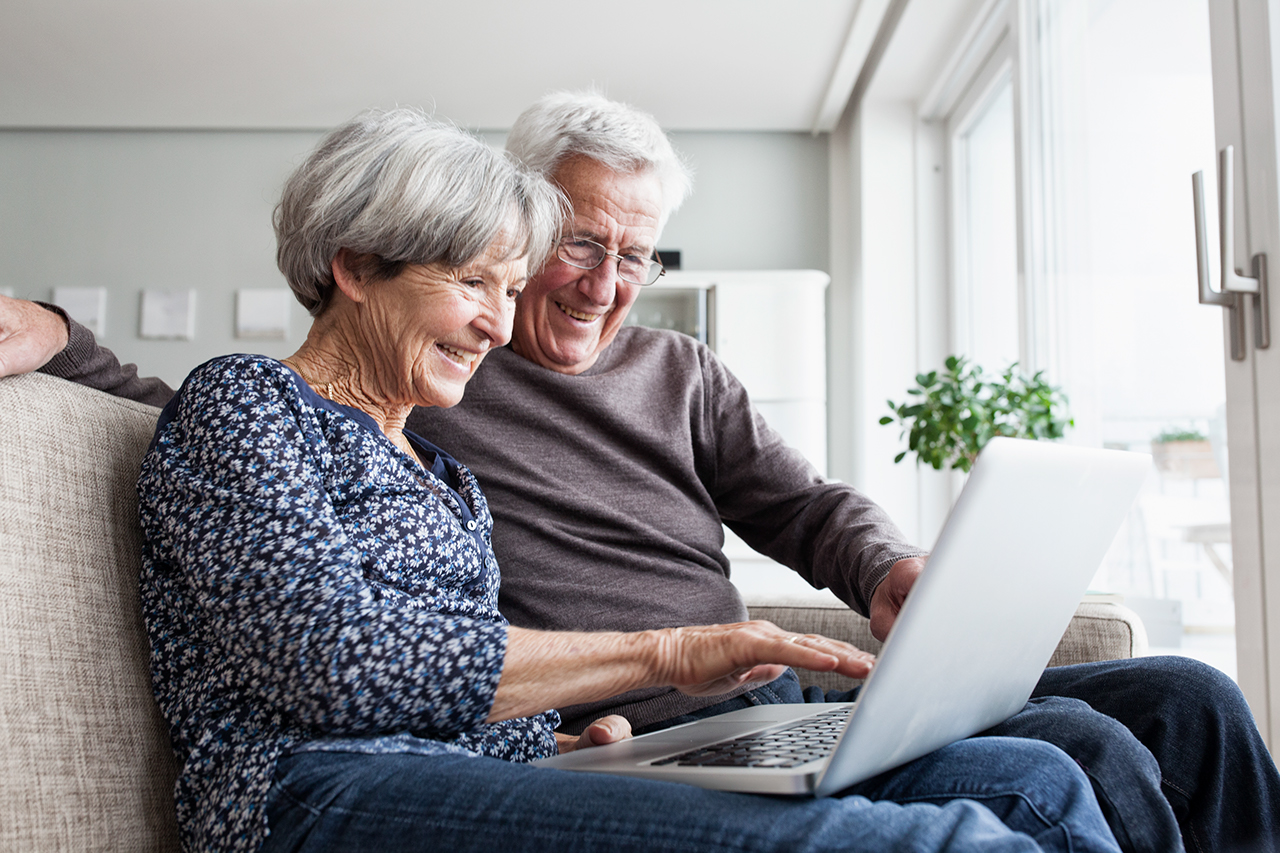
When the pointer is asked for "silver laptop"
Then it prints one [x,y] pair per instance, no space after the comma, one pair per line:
[1012,562]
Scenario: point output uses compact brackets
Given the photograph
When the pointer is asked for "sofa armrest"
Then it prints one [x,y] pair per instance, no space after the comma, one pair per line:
[1099,631]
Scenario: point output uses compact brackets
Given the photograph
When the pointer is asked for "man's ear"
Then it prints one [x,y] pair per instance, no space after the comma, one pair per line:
[345,277]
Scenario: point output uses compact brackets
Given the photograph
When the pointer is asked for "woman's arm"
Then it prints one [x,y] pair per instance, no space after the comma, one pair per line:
[551,669]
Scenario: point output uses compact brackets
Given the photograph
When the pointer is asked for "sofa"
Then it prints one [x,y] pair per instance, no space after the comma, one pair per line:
[86,763]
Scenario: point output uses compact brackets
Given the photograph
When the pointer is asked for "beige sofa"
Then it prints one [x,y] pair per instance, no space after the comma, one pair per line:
[85,762]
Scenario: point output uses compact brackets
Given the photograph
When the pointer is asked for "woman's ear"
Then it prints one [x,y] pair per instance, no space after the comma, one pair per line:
[346,277]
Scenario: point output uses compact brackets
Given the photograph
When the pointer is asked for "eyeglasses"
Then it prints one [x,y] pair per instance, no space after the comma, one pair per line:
[588,254]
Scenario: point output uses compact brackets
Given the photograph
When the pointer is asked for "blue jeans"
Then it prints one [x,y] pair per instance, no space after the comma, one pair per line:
[1214,770]
[1168,743]
[985,794]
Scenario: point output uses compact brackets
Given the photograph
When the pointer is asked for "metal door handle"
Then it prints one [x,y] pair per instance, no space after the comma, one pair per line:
[1234,284]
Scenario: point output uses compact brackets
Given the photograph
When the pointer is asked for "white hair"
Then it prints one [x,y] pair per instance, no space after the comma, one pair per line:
[568,124]
[398,187]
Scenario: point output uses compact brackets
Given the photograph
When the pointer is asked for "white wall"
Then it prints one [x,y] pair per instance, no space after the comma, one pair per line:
[759,202]
[163,210]
[170,210]
[882,326]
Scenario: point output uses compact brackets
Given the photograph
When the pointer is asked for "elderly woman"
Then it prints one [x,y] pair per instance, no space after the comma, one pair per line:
[321,594]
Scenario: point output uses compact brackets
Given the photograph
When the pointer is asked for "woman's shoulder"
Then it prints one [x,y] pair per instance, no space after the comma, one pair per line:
[239,367]
[253,385]
[227,376]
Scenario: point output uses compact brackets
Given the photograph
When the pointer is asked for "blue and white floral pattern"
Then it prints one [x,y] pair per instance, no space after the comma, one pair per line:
[306,585]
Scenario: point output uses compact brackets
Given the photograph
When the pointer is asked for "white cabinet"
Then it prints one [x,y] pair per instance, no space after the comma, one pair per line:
[769,328]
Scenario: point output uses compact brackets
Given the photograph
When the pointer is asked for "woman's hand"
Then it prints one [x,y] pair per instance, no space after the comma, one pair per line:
[712,659]
[610,729]
[552,669]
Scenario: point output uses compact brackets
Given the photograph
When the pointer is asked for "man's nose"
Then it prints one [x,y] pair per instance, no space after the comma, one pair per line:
[600,284]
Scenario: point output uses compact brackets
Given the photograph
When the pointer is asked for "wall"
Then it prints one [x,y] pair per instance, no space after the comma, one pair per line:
[164,210]
[759,202]
[170,210]
[878,323]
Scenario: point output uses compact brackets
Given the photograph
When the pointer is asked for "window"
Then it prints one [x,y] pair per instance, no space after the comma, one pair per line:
[1071,148]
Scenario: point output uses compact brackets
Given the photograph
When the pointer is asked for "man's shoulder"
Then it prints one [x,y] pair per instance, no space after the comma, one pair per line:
[645,337]
[637,345]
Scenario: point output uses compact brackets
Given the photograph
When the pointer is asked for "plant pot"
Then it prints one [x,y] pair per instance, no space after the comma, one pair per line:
[1186,460]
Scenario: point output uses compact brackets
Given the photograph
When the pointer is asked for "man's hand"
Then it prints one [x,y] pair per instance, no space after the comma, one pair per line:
[886,601]
[29,336]
[610,729]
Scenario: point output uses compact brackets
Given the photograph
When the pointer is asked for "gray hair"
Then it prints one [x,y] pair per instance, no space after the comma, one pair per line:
[398,187]
[567,124]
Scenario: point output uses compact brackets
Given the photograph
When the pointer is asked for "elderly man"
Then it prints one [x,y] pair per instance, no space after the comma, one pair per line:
[612,455]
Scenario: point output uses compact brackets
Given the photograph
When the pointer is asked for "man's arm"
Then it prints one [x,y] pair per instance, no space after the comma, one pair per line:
[29,336]
[831,534]
[34,336]
[886,601]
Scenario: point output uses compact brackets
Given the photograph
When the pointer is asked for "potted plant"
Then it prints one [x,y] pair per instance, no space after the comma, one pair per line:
[1184,453]
[950,416]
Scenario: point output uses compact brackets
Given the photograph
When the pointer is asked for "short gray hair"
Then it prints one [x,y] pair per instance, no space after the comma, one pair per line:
[400,188]
[567,124]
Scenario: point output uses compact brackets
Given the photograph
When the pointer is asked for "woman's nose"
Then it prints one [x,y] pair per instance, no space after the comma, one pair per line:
[495,318]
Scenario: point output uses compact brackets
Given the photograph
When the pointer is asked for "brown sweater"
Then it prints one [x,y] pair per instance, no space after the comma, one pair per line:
[608,490]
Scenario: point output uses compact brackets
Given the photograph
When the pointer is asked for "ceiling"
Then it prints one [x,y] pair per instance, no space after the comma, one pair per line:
[786,65]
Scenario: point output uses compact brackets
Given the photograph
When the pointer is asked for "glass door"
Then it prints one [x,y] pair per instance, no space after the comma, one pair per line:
[1246,55]
[1126,115]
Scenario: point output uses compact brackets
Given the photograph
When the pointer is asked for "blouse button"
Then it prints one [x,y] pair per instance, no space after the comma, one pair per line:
[471,525]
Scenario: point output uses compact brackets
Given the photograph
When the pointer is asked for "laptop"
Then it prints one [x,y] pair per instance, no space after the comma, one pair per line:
[1013,561]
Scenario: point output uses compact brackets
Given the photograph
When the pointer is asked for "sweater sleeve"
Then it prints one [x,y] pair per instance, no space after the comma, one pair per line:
[830,533]
[251,587]
[84,362]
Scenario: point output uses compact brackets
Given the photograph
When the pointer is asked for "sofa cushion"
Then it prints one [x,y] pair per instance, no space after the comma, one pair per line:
[1100,630]
[86,762]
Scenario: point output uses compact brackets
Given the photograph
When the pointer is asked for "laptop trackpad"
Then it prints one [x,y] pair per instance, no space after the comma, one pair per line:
[657,744]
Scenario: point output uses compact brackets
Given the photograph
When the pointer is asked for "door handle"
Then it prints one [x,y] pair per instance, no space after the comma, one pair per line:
[1234,283]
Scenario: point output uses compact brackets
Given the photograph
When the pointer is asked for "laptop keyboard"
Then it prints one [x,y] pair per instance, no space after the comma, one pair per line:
[805,740]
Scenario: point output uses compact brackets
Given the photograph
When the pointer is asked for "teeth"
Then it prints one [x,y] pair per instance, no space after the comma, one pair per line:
[458,355]
[578,315]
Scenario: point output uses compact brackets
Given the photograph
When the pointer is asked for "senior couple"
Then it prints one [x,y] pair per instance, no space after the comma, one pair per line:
[339,672]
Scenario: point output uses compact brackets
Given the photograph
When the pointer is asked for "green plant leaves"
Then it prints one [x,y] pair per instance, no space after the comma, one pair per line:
[957,412]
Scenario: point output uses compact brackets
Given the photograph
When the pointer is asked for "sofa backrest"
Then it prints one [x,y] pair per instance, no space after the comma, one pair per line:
[85,761]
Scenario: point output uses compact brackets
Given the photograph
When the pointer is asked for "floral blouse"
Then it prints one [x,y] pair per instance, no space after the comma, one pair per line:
[306,585]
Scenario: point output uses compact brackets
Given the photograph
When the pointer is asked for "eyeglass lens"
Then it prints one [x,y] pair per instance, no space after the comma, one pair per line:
[588,254]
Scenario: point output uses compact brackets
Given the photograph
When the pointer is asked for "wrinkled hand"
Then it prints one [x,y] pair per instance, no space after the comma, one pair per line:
[610,729]
[29,336]
[712,659]
[886,601]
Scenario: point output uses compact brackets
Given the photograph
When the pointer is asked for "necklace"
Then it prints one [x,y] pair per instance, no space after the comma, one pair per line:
[324,389]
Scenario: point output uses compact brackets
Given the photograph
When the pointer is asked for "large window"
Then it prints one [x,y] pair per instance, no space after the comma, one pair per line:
[985,292]
[1091,274]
